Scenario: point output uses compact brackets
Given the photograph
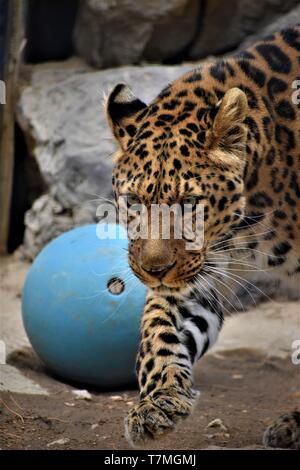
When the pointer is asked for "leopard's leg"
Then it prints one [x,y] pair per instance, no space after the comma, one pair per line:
[284,432]
[174,334]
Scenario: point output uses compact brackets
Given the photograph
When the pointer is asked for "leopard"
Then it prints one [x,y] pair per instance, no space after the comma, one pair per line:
[226,136]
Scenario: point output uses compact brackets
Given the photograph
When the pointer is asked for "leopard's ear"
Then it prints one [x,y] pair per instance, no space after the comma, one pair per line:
[121,109]
[228,131]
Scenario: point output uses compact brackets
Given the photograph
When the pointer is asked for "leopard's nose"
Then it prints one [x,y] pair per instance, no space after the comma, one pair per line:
[158,270]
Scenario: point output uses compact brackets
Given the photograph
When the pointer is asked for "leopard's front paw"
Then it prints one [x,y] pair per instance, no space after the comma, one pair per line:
[156,414]
[284,432]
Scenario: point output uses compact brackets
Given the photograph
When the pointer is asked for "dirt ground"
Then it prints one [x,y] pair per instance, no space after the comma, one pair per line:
[245,388]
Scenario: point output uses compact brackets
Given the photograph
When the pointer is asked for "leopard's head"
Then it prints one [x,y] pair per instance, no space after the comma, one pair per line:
[178,151]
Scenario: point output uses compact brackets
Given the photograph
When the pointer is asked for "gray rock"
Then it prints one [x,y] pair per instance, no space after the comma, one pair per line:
[12,380]
[122,32]
[44,221]
[109,33]
[64,120]
[226,24]
[290,19]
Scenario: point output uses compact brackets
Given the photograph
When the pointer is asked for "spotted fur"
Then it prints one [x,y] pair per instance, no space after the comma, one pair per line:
[225,135]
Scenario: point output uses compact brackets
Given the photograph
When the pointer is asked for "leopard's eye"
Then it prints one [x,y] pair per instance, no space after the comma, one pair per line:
[190,200]
[188,203]
[131,199]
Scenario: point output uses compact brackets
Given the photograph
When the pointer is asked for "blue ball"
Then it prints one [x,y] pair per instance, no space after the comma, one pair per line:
[82,306]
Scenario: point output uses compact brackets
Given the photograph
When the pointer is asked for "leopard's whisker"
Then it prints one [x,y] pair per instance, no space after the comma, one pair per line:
[233,239]
[251,284]
[220,259]
[230,276]
[218,255]
[242,270]
[229,288]
[109,272]
[206,295]
[248,249]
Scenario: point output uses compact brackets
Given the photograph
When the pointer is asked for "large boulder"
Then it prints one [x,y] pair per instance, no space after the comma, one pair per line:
[291,18]
[64,123]
[109,33]
[226,24]
[125,32]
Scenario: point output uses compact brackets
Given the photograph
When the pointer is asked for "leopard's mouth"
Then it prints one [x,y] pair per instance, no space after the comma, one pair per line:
[167,284]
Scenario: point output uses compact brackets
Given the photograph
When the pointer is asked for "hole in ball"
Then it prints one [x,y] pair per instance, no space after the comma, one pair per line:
[115,285]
